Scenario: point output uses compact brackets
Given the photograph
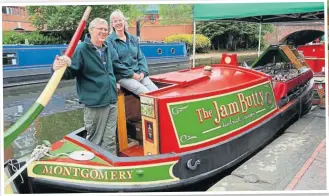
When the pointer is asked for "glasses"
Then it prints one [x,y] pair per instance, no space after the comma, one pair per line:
[102,29]
[117,21]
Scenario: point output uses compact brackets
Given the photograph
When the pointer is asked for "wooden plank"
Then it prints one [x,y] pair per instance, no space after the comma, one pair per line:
[122,126]
[134,151]
[293,57]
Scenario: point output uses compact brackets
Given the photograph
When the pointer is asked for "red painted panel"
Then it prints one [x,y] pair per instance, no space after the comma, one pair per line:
[282,88]
[229,59]
[166,129]
[314,50]
[198,82]
[314,55]
[57,145]
[316,65]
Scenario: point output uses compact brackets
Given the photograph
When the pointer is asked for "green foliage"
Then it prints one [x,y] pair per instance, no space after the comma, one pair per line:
[202,43]
[176,13]
[233,35]
[68,17]
[11,37]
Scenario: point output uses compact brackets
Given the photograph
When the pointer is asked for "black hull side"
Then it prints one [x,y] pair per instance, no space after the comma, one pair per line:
[228,154]
[213,159]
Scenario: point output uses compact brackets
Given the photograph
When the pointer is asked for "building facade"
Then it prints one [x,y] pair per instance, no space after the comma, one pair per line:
[16,18]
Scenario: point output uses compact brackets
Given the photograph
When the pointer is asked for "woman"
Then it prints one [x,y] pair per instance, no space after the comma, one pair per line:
[130,55]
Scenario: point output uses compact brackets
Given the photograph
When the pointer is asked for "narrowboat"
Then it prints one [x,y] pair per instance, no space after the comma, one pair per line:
[307,42]
[315,57]
[29,64]
[200,122]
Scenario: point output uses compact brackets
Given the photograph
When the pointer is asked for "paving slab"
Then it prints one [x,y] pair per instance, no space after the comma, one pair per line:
[276,165]
[312,176]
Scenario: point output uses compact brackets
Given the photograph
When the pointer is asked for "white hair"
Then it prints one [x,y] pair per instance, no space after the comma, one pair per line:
[95,22]
[119,14]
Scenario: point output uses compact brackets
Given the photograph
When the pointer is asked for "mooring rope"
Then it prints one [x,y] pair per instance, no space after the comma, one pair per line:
[15,169]
[39,152]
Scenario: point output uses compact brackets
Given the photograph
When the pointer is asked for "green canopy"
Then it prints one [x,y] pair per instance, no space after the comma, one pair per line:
[260,12]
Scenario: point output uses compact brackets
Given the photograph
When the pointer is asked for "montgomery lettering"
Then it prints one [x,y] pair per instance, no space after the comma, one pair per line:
[86,173]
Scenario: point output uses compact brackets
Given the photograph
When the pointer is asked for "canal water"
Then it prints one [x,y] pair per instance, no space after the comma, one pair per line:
[62,115]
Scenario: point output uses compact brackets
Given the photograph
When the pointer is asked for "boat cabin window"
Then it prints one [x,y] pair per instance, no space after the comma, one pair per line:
[9,58]
[172,50]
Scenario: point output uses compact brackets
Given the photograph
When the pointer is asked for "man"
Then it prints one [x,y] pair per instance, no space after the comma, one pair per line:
[92,65]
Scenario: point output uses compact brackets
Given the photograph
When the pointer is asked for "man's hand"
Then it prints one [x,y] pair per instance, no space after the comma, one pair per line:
[61,61]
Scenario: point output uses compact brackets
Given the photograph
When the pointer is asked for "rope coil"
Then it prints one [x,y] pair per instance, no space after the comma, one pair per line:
[39,152]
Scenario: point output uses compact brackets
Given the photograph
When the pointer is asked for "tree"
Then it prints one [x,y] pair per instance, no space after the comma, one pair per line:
[232,35]
[176,13]
[62,18]
[12,37]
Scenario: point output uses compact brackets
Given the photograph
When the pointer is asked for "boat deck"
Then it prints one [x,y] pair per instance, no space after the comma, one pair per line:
[199,81]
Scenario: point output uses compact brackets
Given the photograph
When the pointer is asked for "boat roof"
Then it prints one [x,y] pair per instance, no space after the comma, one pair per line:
[33,46]
[197,81]
[151,43]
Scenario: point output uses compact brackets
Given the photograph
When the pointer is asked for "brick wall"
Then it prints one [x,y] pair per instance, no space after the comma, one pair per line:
[283,30]
[18,19]
[158,32]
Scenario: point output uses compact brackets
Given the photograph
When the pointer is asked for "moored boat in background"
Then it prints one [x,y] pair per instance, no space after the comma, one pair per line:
[314,55]
[30,64]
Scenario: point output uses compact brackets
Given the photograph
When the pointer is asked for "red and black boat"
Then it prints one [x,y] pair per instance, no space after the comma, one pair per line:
[200,122]
[315,57]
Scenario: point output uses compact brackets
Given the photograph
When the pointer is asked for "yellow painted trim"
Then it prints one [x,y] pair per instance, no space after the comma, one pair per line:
[8,188]
[314,58]
[171,172]
[32,174]
[97,167]
[51,87]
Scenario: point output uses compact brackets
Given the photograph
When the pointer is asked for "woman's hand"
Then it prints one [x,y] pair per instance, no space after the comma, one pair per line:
[61,61]
[141,76]
[136,76]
